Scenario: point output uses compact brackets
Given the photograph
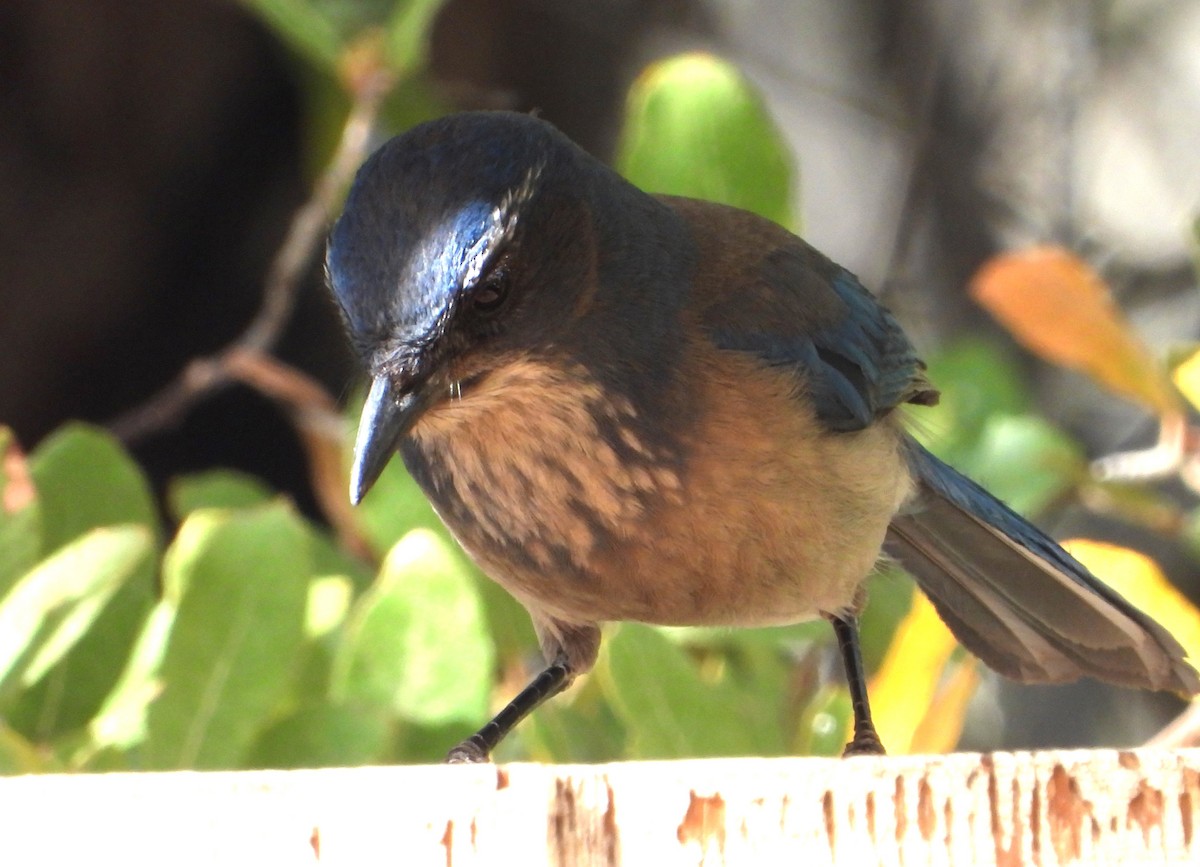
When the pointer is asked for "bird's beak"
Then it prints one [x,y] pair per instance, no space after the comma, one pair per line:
[388,414]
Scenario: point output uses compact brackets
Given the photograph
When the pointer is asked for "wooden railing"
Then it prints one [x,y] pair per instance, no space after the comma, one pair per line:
[1137,807]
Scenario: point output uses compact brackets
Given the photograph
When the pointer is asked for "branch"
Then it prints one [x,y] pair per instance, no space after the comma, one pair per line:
[319,426]
[202,376]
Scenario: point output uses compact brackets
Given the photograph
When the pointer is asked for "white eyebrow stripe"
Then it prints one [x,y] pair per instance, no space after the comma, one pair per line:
[505,217]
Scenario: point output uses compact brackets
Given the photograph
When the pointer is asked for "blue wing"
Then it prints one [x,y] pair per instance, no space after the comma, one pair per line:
[765,291]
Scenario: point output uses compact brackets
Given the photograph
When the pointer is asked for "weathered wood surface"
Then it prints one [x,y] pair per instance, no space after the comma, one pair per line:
[1079,807]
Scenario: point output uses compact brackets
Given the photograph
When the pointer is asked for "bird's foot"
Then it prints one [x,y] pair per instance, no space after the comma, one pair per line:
[864,744]
[469,752]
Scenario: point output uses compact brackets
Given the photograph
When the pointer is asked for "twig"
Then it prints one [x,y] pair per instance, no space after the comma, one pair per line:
[1165,458]
[320,428]
[204,375]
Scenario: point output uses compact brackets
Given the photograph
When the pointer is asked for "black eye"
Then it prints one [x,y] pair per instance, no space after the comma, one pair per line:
[490,295]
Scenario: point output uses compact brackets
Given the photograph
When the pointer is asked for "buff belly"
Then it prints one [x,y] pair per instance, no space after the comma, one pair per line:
[759,515]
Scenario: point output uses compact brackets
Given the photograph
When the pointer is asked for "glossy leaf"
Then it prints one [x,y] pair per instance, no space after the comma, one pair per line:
[240,580]
[121,721]
[1056,305]
[329,598]
[1026,461]
[215,489]
[580,726]
[85,480]
[50,608]
[19,756]
[1140,580]
[324,735]
[694,126]
[668,710]
[303,26]
[508,623]
[417,641]
[408,32]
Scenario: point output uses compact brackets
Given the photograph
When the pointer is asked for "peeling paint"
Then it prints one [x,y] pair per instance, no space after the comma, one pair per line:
[830,820]
[448,842]
[926,816]
[704,822]
[1146,810]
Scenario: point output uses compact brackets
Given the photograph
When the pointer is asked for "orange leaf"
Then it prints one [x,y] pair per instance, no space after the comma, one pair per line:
[1060,308]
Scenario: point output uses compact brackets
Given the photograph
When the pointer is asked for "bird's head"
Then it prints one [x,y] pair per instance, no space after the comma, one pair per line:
[465,242]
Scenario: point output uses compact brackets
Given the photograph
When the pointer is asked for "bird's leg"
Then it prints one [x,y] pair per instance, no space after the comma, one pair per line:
[477,748]
[866,740]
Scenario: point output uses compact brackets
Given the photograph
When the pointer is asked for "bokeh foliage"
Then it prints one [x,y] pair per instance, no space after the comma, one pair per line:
[233,632]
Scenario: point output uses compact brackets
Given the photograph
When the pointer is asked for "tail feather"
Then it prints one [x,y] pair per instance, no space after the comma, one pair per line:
[1016,599]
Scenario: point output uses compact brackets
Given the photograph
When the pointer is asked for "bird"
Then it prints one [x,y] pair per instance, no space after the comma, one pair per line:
[637,407]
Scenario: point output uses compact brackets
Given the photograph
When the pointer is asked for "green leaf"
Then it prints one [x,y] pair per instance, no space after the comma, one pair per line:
[417,642]
[229,489]
[72,692]
[323,736]
[121,721]
[581,725]
[429,744]
[328,558]
[772,669]
[668,710]
[303,27]
[695,127]
[1026,461]
[507,620]
[240,580]
[408,34]
[85,480]
[19,756]
[51,607]
[977,381]
[215,489]
[328,604]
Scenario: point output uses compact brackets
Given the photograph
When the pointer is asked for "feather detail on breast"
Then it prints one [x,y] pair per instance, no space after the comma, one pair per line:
[562,496]
[536,468]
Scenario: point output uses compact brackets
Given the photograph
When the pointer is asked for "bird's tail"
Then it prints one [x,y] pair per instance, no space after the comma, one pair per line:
[1016,599]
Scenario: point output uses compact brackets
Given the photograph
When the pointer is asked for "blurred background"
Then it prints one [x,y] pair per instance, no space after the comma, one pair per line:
[152,156]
